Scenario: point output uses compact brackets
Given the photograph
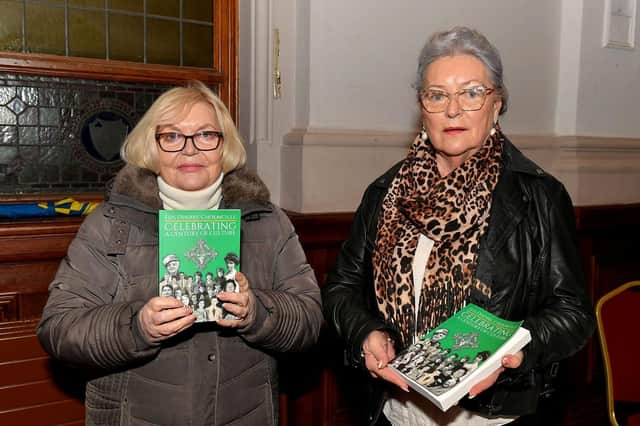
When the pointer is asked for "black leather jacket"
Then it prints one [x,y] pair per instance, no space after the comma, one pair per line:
[527,256]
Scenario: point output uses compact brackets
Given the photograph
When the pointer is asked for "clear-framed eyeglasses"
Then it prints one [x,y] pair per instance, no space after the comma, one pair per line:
[206,140]
[469,99]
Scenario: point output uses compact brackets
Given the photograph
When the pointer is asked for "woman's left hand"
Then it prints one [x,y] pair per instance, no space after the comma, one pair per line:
[508,361]
[241,304]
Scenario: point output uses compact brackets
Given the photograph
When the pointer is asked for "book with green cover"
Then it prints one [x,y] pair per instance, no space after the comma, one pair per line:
[446,362]
[198,256]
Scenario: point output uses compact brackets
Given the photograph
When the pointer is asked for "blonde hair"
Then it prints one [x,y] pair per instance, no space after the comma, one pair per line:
[140,148]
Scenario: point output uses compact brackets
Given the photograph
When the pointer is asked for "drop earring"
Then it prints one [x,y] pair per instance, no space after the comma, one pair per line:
[495,128]
[423,135]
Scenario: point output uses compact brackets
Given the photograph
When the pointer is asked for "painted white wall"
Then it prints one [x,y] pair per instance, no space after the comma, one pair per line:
[569,54]
[348,110]
[364,57]
[609,81]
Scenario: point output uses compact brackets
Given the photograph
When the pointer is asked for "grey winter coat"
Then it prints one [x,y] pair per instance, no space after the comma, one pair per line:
[206,375]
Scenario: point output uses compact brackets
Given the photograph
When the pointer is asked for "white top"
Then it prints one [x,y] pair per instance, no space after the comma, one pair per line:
[203,199]
[408,409]
[423,250]
[412,409]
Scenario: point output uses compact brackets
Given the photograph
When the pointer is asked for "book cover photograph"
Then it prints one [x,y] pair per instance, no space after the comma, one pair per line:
[447,361]
[198,256]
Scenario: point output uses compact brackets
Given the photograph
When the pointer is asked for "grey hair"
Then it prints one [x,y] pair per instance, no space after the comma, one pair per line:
[463,41]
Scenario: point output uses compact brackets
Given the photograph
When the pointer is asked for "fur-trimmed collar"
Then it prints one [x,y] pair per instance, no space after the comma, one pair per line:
[141,184]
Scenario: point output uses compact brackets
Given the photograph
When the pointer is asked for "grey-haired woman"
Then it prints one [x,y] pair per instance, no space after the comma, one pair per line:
[465,217]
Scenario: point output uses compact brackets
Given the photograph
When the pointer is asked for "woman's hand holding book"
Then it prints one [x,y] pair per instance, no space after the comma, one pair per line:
[508,361]
[378,351]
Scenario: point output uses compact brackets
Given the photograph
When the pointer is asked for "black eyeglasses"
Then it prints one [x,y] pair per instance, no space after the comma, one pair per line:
[205,140]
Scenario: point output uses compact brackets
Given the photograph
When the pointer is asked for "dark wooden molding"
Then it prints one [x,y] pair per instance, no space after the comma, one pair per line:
[9,306]
[604,217]
[102,69]
[321,229]
[37,198]
[226,36]
[37,239]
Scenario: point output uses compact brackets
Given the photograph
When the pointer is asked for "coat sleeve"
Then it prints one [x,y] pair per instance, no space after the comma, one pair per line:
[350,283]
[81,324]
[566,320]
[288,314]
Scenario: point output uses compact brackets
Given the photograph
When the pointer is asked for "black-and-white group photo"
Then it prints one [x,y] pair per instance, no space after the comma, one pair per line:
[200,290]
[435,367]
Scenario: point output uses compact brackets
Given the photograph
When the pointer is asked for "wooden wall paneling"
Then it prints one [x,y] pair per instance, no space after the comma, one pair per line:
[30,394]
[317,388]
[24,345]
[30,252]
[607,237]
[319,400]
[22,328]
[8,306]
[322,236]
[65,412]
[33,390]
[607,241]
[27,371]
[36,239]
[28,283]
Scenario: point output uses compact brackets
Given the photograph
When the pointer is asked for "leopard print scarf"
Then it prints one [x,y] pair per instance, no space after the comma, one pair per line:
[453,211]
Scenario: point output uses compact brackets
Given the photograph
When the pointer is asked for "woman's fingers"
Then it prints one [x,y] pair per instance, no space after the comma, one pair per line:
[508,361]
[392,377]
[513,361]
[485,383]
[240,304]
[378,351]
[163,317]
[377,343]
[171,328]
[391,351]
[242,281]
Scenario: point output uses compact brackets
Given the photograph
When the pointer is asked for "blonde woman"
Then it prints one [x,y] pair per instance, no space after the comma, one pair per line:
[103,312]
